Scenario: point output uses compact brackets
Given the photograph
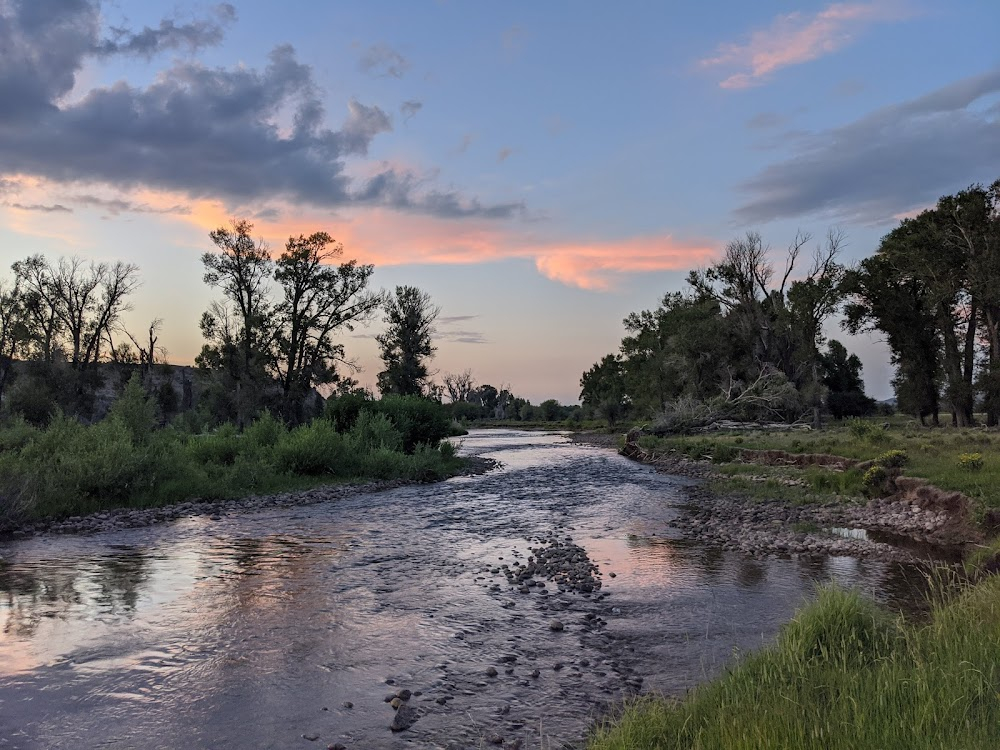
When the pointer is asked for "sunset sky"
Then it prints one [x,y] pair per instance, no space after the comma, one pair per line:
[541,169]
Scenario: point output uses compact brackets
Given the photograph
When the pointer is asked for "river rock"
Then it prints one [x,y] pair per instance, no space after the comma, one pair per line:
[404,718]
[556,626]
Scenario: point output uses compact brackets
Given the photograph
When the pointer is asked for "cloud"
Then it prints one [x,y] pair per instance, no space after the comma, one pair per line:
[504,154]
[409,109]
[767,120]
[381,60]
[168,36]
[447,332]
[887,163]
[116,206]
[467,140]
[56,208]
[513,38]
[797,38]
[404,190]
[204,132]
[598,265]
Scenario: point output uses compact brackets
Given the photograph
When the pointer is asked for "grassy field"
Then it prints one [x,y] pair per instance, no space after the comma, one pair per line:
[935,454]
[843,674]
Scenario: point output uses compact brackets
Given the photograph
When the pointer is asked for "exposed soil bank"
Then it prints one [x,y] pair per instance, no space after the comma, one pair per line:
[908,526]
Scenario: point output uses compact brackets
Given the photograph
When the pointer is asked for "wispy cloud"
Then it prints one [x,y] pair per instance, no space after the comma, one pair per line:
[42,208]
[893,160]
[798,38]
[381,60]
[409,108]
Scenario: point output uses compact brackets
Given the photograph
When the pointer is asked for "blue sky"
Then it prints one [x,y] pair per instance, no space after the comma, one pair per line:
[541,169]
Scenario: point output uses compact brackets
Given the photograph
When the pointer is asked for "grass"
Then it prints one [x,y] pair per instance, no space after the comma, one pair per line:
[934,454]
[843,674]
[69,468]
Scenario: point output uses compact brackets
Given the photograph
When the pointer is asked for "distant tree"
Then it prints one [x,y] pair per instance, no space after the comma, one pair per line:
[13,329]
[406,345]
[602,388]
[320,300]
[487,396]
[841,376]
[460,386]
[76,304]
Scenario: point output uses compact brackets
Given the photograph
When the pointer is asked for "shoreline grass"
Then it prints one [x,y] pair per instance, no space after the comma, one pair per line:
[939,455]
[843,674]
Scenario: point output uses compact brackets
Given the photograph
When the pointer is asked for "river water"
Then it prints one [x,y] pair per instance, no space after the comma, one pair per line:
[289,628]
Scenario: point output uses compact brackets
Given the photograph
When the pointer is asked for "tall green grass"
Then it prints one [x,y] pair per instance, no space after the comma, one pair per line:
[843,675]
[68,468]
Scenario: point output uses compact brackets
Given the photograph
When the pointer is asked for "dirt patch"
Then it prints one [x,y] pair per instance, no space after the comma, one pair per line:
[783,458]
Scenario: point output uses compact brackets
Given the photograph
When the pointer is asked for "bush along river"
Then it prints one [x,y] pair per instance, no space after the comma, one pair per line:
[512,608]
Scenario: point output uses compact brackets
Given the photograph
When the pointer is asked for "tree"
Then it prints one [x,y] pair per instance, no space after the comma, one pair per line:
[602,388]
[460,386]
[406,343]
[238,330]
[13,329]
[75,304]
[841,376]
[320,300]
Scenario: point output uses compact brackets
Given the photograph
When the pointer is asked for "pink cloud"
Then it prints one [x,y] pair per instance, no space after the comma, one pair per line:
[390,238]
[797,38]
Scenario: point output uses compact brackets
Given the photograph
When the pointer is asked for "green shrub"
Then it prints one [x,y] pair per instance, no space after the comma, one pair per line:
[264,432]
[970,461]
[419,420]
[311,449]
[372,431]
[135,411]
[894,459]
[220,447]
[874,481]
[862,429]
[343,411]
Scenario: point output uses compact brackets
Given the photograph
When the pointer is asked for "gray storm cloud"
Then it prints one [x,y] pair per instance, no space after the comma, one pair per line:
[204,131]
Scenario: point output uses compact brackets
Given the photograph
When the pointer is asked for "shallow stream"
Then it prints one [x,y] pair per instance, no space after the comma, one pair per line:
[290,628]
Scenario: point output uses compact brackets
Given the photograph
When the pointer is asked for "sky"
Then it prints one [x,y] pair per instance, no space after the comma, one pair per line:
[540,169]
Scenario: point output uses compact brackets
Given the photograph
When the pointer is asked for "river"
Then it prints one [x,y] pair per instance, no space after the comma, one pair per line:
[290,628]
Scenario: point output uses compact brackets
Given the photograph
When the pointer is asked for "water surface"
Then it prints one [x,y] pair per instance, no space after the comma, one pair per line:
[259,630]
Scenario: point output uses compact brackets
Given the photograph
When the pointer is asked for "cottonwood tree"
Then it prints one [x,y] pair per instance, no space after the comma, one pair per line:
[406,345]
[75,304]
[460,386]
[238,329]
[320,300]
[13,329]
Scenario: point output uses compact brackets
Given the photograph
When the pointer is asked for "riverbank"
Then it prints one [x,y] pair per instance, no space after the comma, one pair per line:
[113,519]
[760,512]
[843,674]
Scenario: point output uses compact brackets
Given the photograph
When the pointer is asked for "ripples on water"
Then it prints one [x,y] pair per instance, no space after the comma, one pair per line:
[257,629]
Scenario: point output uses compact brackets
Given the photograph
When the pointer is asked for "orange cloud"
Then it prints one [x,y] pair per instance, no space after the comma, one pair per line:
[797,38]
[391,238]
[595,265]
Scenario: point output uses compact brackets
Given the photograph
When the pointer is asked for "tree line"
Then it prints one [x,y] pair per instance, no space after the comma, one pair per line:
[745,339]
[270,341]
